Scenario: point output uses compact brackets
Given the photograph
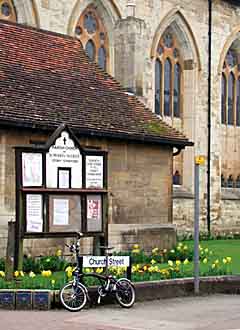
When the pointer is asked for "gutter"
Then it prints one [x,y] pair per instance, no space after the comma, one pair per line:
[209,115]
[178,143]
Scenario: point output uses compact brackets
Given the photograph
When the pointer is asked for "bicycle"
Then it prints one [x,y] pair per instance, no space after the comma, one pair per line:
[74,295]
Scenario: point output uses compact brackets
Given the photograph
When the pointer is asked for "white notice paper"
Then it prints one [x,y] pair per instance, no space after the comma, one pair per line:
[31,169]
[64,179]
[34,213]
[60,212]
[94,171]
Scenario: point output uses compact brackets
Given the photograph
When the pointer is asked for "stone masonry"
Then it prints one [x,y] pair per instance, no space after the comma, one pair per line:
[134,30]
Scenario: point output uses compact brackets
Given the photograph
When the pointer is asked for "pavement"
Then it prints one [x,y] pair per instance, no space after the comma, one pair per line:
[216,312]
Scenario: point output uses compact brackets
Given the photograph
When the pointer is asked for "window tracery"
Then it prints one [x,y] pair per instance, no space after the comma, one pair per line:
[93,35]
[168,77]
[230,104]
[7,11]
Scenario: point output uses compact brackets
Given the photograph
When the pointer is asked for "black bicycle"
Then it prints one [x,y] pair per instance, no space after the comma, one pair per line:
[74,295]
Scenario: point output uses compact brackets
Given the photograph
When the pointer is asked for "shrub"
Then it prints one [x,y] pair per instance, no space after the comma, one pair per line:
[2,264]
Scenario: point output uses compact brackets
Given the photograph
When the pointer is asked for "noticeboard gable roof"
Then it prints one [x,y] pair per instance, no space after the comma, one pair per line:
[46,79]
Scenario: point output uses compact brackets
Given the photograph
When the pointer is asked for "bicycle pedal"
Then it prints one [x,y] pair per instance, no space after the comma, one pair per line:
[99,300]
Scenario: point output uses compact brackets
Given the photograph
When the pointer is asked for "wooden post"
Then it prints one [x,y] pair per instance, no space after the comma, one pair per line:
[10,251]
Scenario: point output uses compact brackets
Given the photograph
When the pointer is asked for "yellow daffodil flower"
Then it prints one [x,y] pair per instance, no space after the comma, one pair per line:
[205,260]
[16,273]
[186,262]
[135,246]
[99,270]
[53,282]
[21,273]
[178,262]
[224,261]
[213,266]
[170,263]
[153,261]
[2,273]
[135,251]
[59,253]
[229,259]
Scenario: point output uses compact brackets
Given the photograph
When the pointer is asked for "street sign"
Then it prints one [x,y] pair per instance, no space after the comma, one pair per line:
[101,261]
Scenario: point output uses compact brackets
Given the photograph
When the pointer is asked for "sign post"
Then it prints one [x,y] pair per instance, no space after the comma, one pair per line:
[199,160]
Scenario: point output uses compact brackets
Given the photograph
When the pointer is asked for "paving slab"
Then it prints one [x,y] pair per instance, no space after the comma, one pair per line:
[217,312]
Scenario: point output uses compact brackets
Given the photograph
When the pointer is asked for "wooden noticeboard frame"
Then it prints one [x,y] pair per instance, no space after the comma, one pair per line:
[61,189]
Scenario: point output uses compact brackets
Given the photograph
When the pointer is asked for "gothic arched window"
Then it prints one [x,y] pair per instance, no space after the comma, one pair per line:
[93,35]
[230,110]
[7,11]
[224,98]
[231,81]
[168,77]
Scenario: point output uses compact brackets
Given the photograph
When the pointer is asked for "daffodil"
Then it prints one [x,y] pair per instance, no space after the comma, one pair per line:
[59,253]
[21,273]
[2,273]
[32,274]
[153,261]
[172,251]
[99,270]
[165,251]
[178,262]
[213,266]
[206,250]
[224,261]
[155,250]
[46,273]
[186,262]
[135,251]
[16,273]
[229,259]
[217,262]
[170,263]
[185,247]
[145,268]
[205,260]
[135,246]
[53,282]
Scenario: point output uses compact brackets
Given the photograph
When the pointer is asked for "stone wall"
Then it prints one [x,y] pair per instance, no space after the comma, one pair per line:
[133,37]
[139,185]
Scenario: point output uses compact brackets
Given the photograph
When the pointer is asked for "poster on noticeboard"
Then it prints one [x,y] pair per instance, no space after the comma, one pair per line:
[94,213]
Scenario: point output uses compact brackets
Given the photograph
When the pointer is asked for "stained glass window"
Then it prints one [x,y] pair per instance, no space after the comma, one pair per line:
[230,94]
[230,98]
[90,50]
[91,31]
[168,68]
[177,92]
[224,96]
[90,23]
[102,58]
[167,87]
[7,11]
[158,74]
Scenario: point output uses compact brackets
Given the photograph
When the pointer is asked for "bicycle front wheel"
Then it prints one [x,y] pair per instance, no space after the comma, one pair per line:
[72,297]
[125,293]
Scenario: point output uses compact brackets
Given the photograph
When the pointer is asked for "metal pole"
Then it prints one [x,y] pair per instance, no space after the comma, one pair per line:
[196,230]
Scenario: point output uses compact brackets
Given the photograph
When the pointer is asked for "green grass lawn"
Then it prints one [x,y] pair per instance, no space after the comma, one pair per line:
[222,248]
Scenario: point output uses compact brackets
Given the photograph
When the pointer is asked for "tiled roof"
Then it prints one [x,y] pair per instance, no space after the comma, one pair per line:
[46,80]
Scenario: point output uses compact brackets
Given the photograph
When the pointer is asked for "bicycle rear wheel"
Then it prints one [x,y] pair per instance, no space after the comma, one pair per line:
[125,293]
[73,298]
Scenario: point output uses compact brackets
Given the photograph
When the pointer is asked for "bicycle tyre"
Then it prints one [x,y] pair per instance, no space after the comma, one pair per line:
[73,299]
[125,293]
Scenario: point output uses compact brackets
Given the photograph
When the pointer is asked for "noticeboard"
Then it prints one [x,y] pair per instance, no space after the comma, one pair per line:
[61,187]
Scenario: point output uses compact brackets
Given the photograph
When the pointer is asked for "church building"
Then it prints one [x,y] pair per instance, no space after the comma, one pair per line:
[179,58]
